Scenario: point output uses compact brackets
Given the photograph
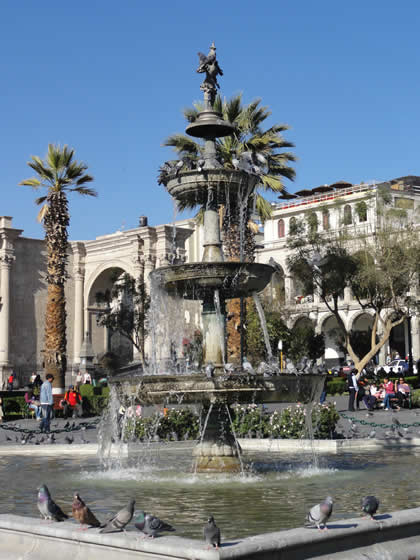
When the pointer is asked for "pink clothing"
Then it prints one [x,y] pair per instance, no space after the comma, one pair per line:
[389,388]
[403,387]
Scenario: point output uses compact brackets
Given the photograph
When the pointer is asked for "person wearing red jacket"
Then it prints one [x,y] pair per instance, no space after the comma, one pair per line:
[72,402]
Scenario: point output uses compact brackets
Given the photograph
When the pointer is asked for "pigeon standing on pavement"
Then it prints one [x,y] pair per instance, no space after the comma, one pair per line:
[150,525]
[212,533]
[120,520]
[82,513]
[210,370]
[47,507]
[370,505]
[319,514]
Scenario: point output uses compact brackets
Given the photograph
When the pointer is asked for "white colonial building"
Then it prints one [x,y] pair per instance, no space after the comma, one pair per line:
[332,208]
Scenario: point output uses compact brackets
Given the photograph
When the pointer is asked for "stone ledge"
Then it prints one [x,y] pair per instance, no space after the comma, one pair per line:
[394,535]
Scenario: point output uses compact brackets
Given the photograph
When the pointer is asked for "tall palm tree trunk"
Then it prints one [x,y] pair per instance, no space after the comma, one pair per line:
[56,222]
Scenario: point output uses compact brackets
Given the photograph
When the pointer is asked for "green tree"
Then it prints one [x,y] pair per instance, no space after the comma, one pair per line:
[380,269]
[60,174]
[125,310]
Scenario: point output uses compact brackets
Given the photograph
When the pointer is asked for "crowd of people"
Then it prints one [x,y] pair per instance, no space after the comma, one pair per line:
[39,397]
[372,394]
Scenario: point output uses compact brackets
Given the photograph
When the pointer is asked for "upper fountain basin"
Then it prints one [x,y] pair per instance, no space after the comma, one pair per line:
[192,187]
[199,280]
[236,388]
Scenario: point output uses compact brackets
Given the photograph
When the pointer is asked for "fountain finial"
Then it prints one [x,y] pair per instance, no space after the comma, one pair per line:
[210,66]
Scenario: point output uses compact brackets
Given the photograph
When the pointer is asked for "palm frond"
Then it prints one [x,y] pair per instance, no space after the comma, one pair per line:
[33,182]
[84,191]
[84,179]
[264,208]
[40,200]
[42,213]
[183,144]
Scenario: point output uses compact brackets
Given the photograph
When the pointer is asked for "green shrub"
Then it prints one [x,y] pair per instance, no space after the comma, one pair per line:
[336,386]
[289,423]
[249,418]
[14,406]
[179,421]
[86,390]
[415,398]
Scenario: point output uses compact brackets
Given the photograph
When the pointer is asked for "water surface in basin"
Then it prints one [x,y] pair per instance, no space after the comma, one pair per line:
[275,496]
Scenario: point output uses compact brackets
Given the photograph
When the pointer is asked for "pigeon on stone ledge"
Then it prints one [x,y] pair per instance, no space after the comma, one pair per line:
[212,533]
[120,520]
[319,514]
[370,505]
[47,507]
[150,525]
[82,513]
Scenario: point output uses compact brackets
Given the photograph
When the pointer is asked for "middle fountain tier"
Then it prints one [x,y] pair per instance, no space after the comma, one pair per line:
[213,281]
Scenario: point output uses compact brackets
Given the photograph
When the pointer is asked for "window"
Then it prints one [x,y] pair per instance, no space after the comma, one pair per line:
[280,228]
[325,220]
[347,215]
[361,210]
[293,226]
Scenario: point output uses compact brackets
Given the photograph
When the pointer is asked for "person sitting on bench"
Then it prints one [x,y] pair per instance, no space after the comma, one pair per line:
[72,402]
[402,391]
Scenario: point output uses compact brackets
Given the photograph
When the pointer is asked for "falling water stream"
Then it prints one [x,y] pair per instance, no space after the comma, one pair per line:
[263,323]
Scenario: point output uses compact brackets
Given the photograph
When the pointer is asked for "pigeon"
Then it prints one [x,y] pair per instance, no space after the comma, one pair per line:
[120,520]
[51,438]
[66,425]
[47,507]
[8,438]
[372,434]
[210,370]
[200,164]
[178,166]
[82,513]
[150,525]
[247,366]
[69,439]
[319,514]
[229,367]
[370,505]
[212,533]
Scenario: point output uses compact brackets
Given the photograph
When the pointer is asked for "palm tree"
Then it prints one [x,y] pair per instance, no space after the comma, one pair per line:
[249,136]
[59,174]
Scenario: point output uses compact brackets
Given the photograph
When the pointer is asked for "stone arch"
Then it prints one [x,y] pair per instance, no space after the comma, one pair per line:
[102,339]
[328,327]
[94,274]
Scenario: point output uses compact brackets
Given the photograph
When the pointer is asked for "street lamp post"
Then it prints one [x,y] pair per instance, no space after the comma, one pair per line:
[280,349]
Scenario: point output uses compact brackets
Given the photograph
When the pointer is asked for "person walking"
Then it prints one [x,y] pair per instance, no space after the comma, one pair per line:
[47,401]
[352,388]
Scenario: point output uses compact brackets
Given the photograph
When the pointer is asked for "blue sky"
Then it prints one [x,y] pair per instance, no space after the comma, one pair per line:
[111,78]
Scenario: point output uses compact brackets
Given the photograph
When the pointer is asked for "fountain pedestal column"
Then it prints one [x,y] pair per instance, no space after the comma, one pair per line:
[218,451]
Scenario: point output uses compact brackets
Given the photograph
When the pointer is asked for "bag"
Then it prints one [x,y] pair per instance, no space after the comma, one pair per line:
[62,403]
[36,403]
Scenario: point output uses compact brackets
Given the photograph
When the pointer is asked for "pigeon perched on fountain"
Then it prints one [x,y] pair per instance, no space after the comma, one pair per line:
[247,366]
[209,370]
[319,514]
[82,513]
[150,525]
[120,520]
[47,507]
[289,366]
[370,505]
[212,533]
[229,368]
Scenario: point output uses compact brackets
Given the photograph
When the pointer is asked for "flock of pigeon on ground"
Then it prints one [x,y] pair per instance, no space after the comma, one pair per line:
[152,526]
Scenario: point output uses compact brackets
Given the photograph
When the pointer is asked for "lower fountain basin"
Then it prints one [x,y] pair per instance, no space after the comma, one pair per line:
[200,280]
[158,389]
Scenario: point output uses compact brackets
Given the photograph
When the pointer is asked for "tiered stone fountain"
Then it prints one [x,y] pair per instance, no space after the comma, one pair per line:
[214,280]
